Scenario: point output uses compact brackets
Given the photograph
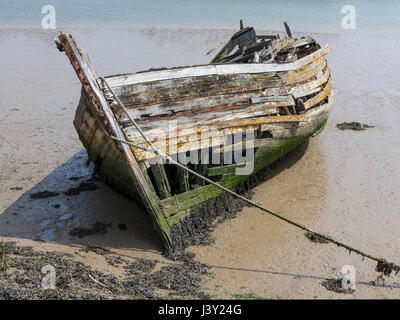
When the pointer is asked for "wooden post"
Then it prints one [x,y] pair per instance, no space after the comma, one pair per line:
[289,33]
[183,178]
[161,180]
[201,169]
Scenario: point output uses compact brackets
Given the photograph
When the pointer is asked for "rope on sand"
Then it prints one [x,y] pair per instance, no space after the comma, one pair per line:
[382,266]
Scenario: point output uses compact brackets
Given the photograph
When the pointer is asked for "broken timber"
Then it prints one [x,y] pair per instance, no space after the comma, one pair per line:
[261,95]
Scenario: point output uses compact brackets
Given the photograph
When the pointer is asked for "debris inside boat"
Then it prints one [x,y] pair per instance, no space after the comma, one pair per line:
[260,97]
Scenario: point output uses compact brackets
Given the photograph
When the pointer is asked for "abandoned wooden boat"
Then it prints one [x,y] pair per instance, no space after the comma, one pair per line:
[259,98]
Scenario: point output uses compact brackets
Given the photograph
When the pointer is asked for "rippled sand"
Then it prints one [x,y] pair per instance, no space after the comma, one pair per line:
[343,183]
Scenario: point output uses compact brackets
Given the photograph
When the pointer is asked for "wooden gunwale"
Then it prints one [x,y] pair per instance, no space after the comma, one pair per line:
[171,91]
[216,69]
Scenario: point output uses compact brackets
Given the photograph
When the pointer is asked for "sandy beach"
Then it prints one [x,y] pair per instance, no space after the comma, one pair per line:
[342,183]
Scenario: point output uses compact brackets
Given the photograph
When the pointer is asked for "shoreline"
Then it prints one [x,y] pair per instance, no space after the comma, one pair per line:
[180,28]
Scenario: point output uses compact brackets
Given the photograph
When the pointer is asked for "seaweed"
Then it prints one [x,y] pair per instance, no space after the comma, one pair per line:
[97,249]
[97,228]
[386,268]
[336,285]
[357,126]
[313,237]
[43,194]
[77,281]
[83,186]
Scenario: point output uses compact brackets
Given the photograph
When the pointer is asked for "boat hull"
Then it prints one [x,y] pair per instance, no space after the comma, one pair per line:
[279,104]
[115,170]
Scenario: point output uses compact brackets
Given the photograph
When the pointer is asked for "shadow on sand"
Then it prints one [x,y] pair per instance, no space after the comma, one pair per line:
[51,219]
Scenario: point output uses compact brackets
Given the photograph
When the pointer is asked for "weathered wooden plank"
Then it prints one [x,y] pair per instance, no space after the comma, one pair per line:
[319,97]
[242,109]
[138,96]
[212,121]
[213,101]
[154,135]
[205,70]
[249,124]
[278,129]
[207,104]
[310,87]
[225,169]
[257,143]
[183,133]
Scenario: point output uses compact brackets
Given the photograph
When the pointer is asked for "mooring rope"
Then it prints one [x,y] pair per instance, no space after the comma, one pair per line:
[383,266]
[220,44]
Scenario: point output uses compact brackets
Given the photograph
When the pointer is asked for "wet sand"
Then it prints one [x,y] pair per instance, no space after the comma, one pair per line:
[344,183]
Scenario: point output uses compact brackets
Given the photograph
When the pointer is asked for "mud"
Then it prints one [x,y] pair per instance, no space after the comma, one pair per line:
[356,126]
[97,228]
[122,226]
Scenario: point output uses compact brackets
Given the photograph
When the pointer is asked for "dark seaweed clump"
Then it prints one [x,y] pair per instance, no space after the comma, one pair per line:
[335,285]
[83,186]
[97,228]
[97,250]
[357,126]
[43,194]
[386,268]
[181,279]
[115,261]
[313,237]
[141,265]
[21,277]
[72,278]
[88,185]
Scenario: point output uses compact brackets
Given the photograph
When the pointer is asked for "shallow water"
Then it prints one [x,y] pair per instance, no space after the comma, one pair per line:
[305,15]
[345,183]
